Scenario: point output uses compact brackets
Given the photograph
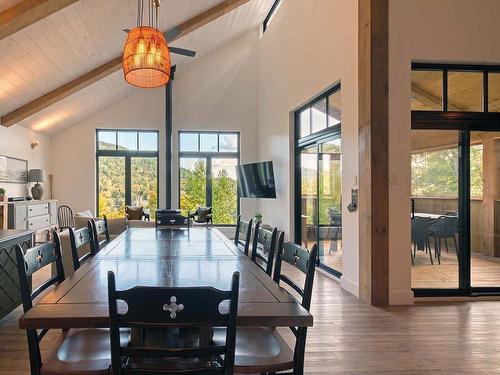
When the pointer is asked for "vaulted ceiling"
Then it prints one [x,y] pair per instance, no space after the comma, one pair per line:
[86,34]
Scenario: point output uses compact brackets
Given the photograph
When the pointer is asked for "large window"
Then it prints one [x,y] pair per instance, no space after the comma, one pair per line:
[321,113]
[455,88]
[318,206]
[127,171]
[207,173]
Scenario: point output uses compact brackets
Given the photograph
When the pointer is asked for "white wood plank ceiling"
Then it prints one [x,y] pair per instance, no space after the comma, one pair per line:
[88,33]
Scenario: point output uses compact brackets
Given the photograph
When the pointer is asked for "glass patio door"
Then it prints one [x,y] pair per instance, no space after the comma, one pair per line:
[309,196]
[484,203]
[436,197]
[320,201]
[330,247]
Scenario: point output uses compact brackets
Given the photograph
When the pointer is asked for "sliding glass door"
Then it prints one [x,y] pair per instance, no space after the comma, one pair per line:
[435,191]
[484,167]
[309,196]
[320,202]
[330,204]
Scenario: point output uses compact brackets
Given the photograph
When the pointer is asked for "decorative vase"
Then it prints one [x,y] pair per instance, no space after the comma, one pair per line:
[37,191]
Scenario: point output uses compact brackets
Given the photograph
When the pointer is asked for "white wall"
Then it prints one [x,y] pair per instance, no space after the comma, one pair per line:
[73,150]
[455,31]
[309,46]
[219,92]
[16,142]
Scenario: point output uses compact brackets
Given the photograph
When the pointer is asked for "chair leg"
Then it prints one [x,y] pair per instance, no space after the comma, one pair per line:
[446,244]
[439,250]
[456,246]
[428,246]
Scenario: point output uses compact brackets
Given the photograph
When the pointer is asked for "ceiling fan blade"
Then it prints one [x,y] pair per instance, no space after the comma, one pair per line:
[171,34]
[182,51]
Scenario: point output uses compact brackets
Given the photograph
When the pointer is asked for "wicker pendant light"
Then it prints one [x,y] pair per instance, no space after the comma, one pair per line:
[146,58]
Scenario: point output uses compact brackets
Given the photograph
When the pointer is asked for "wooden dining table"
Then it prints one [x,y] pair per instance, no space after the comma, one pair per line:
[168,258]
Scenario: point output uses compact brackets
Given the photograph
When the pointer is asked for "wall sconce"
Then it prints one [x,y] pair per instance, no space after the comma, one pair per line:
[34,144]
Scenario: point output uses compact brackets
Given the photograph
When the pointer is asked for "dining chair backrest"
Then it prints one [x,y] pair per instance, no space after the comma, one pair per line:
[79,238]
[157,307]
[98,227]
[420,227]
[28,263]
[445,226]
[243,228]
[305,262]
[264,257]
[65,217]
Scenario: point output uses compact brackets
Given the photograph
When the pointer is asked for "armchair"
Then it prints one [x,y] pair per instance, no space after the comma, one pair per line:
[137,213]
[202,215]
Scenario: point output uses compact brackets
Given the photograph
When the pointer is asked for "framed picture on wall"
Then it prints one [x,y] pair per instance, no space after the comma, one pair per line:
[13,170]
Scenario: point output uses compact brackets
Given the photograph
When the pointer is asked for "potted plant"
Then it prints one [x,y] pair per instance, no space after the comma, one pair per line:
[3,198]
[258,217]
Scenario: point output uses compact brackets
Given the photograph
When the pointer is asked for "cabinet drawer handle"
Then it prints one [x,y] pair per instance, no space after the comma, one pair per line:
[30,210]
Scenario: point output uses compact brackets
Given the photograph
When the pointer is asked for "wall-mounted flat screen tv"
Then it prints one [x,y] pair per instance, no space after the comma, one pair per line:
[256,180]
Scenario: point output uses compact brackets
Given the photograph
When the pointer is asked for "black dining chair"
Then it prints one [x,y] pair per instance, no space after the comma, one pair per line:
[442,229]
[83,351]
[65,217]
[263,255]
[97,228]
[79,239]
[243,228]
[169,308]
[335,226]
[420,232]
[263,350]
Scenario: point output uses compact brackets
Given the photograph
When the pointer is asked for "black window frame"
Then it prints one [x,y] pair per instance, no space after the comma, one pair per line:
[208,156]
[313,139]
[301,141]
[464,122]
[128,155]
[270,15]
[445,69]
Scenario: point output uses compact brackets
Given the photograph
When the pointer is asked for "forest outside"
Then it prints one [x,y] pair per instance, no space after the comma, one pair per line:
[144,185]
[435,173]
[193,188]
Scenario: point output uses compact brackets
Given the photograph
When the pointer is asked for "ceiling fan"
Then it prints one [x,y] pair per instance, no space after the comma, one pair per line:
[178,51]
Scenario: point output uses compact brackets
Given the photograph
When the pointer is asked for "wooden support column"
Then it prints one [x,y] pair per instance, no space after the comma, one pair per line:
[373,151]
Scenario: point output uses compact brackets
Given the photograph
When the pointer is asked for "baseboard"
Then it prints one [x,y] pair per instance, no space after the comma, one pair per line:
[350,286]
[401,297]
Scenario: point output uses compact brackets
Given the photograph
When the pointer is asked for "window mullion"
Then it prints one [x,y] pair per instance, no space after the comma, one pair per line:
[128,183]
[208,197]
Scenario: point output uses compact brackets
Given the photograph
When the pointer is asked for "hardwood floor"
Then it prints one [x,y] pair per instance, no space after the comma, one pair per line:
[350,337]
[485,271]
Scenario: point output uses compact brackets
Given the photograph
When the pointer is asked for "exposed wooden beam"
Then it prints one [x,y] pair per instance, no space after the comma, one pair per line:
[115,64]
[427,98]
[60,93]
[28,12]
